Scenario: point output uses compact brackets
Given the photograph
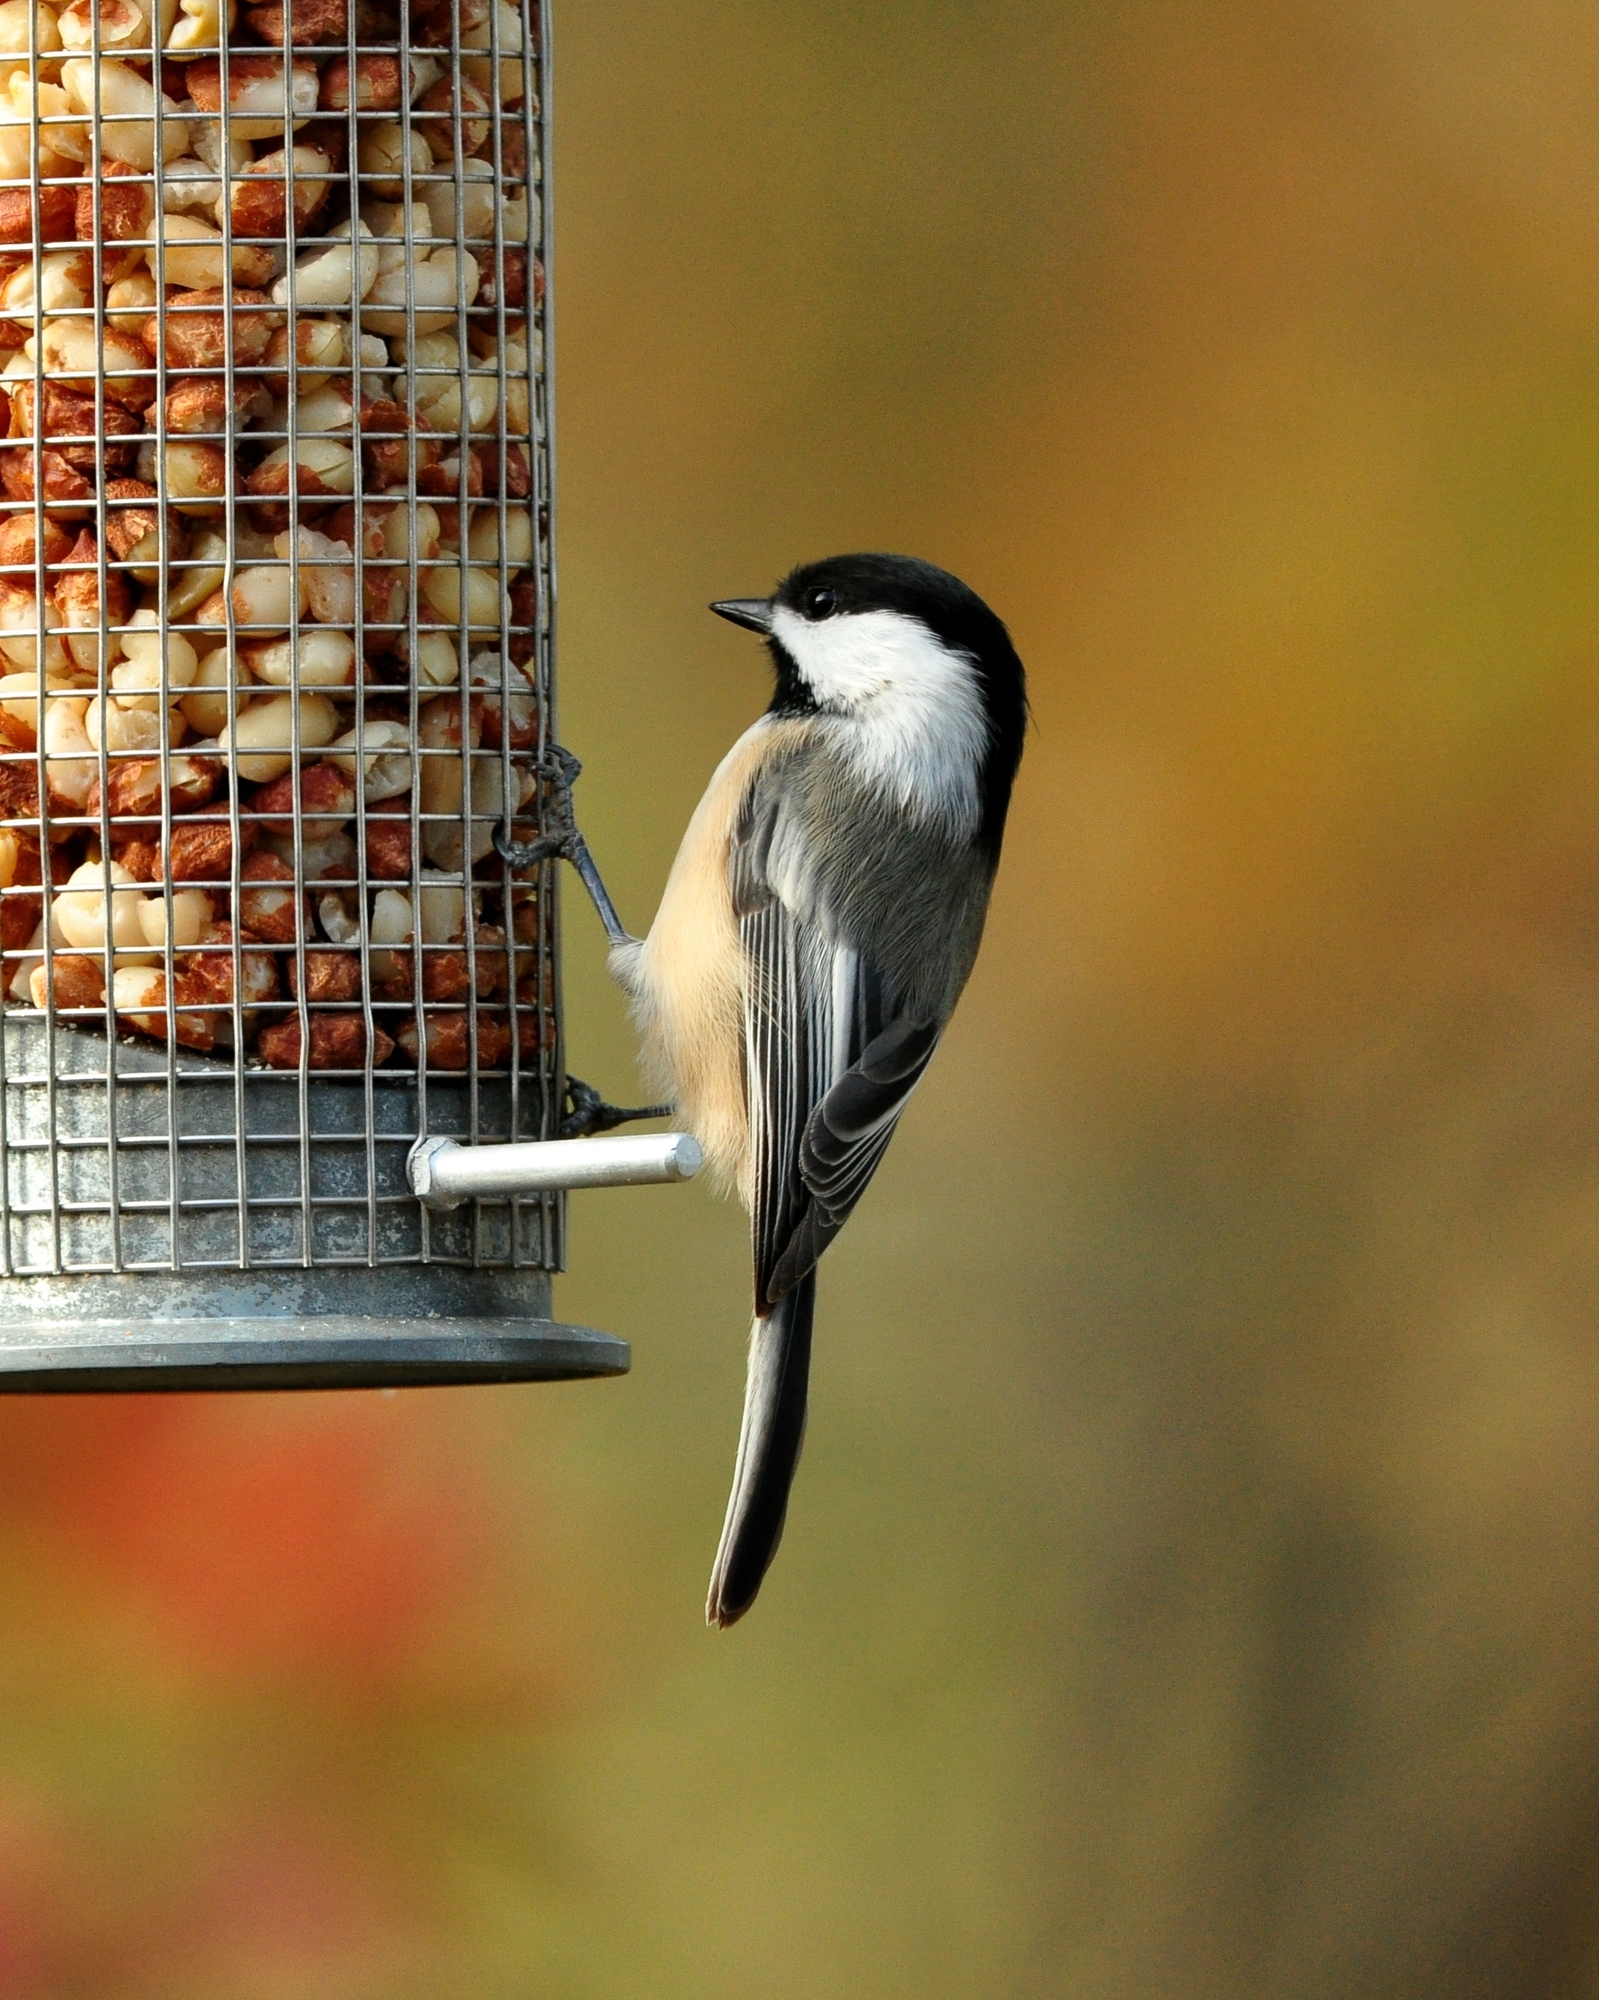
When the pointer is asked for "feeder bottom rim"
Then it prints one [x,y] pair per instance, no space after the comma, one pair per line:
[60,1356]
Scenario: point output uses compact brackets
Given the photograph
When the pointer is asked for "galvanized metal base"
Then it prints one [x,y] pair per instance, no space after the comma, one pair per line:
[283,1330]
[209,1174]
[142,1355]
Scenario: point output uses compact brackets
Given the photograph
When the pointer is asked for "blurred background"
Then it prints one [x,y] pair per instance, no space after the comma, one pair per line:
[1192,1586]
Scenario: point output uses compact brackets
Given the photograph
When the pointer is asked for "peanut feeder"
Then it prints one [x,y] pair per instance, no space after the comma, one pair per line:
[275,680]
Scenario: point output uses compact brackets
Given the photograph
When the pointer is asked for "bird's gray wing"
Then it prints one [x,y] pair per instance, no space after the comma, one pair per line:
[830,1057]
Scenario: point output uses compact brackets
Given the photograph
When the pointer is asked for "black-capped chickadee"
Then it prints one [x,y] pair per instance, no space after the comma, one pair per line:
[815,933]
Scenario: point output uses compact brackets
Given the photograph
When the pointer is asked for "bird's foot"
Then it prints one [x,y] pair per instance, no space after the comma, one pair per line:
[560,771]
[590,1113]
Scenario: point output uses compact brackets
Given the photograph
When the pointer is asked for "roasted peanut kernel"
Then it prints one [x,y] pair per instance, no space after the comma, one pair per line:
[435,114]
[197,332]
[381,157]
[205,705]
[433,659]
[336,1041]
[199,27]
[506,84]
[397,225]
[211,972]
[324,659]
[192,917]
[133,532]
[259,200]
[137,680]
[200,850]
[393,925]
[484,543]
[79,912]
[449,1035]
[268,599]
[198,408]
[124,26]
[518,473]
[225,154]
[389,855]
[437,280]
[328,582]
[329,975]
[67,417]
[196,476]
[66,490]
[333,276]
[126,203]
[134,790]
[321,347]
[26,27]
[76,348]
[485,606]
[58,208]
[62,147]
[436,23]
[139,994]
[125,728]
[326,795]
[20,546]
[125,101]
[20,623]
[128,301]
[260,743]
[19,705]
[514,721]
[505,280]
[59,281]
[190,186]
[255,92]
[384,751]
[200,575]
[72,767]
[474,186]
[81,607]
[323,410]
[438,400]
[72,982]
[377,83]
[322,467]
[137,852]
[193,254]
[270,907]
[302,23]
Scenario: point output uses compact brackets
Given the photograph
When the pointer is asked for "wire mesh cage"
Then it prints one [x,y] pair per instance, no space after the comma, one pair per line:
[276,589]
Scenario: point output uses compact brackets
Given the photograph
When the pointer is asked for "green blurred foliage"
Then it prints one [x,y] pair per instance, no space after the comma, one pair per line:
[1191,1583]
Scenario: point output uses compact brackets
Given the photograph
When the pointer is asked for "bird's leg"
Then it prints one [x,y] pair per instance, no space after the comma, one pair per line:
[591,1113]
[559,769]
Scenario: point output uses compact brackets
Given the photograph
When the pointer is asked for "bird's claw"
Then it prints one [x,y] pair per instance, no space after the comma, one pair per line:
[560,771]
[590,1113]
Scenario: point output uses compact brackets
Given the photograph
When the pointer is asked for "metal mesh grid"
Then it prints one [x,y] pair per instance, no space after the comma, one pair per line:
[276,539]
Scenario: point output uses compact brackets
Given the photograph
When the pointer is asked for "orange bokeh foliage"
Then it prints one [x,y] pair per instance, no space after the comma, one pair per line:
[326,1535]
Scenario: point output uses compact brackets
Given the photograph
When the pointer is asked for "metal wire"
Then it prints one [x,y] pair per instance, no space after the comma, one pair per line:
[209,1121]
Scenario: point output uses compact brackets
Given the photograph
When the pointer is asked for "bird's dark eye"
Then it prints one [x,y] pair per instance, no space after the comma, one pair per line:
[818,604]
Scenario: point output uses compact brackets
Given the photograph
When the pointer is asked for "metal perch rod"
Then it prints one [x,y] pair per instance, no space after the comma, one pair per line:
[444,1173]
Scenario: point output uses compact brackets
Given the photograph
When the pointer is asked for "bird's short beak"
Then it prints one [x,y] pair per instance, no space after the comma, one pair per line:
[755,613]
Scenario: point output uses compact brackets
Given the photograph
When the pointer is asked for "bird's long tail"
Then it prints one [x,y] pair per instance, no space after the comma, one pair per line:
[768,1452]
